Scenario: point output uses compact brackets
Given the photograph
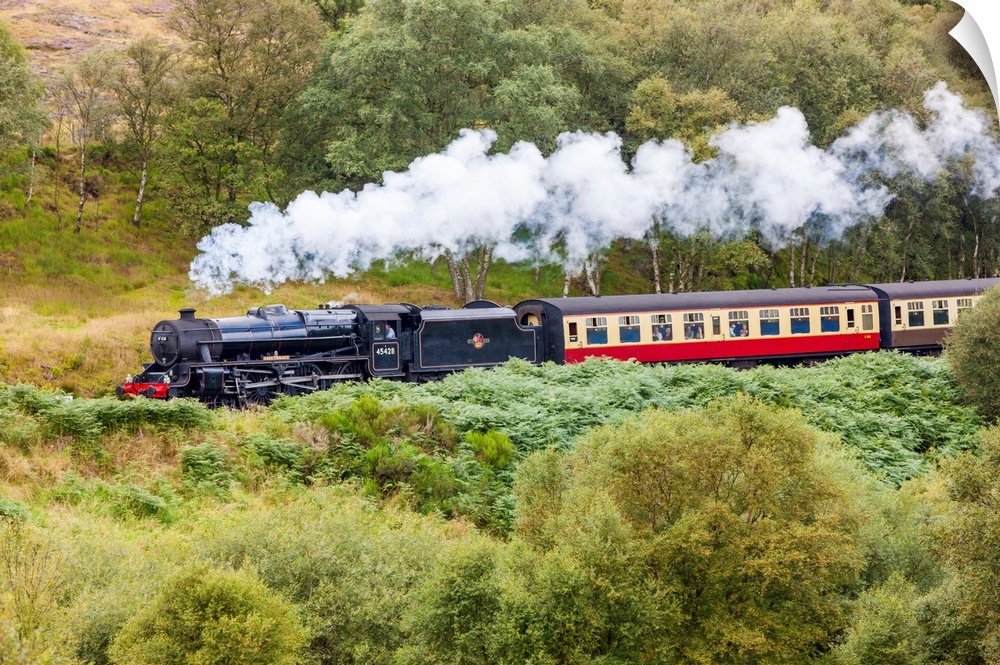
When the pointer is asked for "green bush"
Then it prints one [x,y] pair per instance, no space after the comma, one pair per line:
[207,615]
[493,448]
[132,500]
[973,353]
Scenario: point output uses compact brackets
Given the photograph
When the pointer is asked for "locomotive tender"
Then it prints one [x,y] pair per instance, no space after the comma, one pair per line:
[272,350]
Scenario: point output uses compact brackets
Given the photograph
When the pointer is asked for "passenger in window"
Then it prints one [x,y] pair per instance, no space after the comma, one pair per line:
[734,330]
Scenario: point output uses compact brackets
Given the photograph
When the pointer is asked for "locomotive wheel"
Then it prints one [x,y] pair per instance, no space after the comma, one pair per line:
[258,396]
[312,385]
[347,369]
[261,394]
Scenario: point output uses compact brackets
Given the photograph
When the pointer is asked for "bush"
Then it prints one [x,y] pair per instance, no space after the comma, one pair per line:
[206,615]
[204,469]
[973,352]
[493,448]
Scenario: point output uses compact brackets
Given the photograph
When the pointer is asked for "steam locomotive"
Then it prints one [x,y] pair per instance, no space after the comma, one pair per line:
[274,351]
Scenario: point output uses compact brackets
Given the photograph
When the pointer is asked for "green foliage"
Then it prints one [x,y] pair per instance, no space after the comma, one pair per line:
[494,448]
[736,523]
[17,651]
[21,116]
[971,537]
[885,628]
[973,352]
[209,615]
[56,414]
[205,469]
[12,511]
[130,500]
[245,64]
[351,570]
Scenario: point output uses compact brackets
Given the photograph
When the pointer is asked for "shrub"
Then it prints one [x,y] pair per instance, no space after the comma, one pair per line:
[973,352]
[493,448]
[207,615]
[204,469]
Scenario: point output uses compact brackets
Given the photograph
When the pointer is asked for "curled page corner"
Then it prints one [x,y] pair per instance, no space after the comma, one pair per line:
[970,35]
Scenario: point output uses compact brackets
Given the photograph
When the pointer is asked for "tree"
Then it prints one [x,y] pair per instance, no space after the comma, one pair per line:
[83,93]
[971,535]
[886,627]
[247,61]
[212,616]
[973,353]
[744,517]
[21,116]
[144,89]
[658,112]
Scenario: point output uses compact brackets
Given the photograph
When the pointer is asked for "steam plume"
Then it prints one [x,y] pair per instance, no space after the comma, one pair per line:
[581,197]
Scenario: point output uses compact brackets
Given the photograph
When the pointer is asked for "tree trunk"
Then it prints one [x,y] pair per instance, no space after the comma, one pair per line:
[566,285]
[31,178]
[654,247]
[455,271]
[791,263]
[141,195]
[805,255]
[83,190]
[592,270]
[485,260]
[469,287]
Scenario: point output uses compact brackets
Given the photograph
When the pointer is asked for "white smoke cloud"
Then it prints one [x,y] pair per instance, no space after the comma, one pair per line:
[892,143]
[583,196]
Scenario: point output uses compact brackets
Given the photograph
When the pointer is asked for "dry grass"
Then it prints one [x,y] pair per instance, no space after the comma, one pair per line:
[56,32]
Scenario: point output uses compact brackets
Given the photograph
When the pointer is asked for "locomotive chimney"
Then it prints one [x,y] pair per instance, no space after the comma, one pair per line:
[187,314]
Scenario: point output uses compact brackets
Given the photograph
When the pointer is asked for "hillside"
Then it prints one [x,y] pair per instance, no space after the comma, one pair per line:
[56,32]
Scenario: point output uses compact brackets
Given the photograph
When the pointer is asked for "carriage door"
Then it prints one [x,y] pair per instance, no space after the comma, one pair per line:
[385,347]
[851,325]
[717,327]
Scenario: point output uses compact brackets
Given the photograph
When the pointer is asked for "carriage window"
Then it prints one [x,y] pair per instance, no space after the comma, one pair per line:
[769,322]
[898,311]
[915,314]
[694,325]
[800,320]
[829,319]
[663,330]
[868,317]
[940,309]
[739,323]
[573,334]
[597,329]
[628,329]
[963,305]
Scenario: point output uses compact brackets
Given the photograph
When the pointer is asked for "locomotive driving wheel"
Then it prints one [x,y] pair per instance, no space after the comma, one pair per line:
[257,386]
[307,379]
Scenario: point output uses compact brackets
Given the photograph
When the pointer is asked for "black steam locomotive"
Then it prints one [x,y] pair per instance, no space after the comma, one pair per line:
[275,351]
